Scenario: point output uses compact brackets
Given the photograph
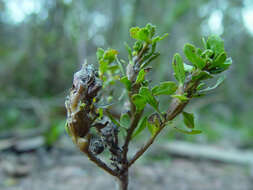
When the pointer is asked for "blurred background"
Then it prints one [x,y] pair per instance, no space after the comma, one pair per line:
[42,43]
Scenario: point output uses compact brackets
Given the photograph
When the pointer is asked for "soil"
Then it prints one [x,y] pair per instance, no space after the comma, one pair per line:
[62,169]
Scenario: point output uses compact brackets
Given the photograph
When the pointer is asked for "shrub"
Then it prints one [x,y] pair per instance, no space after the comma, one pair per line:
[91,121]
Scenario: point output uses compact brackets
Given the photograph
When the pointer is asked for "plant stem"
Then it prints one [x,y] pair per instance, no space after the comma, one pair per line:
[101,164]
[123,181]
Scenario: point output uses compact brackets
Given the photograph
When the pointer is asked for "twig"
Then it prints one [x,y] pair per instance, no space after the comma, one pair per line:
[101,164]
[175,108]
[130,131]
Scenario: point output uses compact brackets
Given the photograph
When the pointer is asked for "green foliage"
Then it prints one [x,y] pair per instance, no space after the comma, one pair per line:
[191,132]
[148,96]
[140,127]
[141,76]
[165,88]
[125,120]
[193,56]
[139,101]
[178,67]
[189,119]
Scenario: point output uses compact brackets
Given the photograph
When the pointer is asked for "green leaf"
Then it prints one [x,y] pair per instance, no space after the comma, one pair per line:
[128,50]
[139,101]
[140,34]
[188,119]
[180,97]
[150,99]
[125,120]
[178,67]
[191,54]
[112,118]
[204,43]
[147,62]
[219,81]
[140,127]
[67,129]
[151,28]
[152,128]
[192,132]
[164,88]
[134,32]
[101,113]
[207,53]
[188,68]
[158,38]
[141,76]
[201,75]
[126,82]
[103,67]
[200,86]
[220,59]
[222,67]
[110,55]
[143,35]
[215,43]
[100,53]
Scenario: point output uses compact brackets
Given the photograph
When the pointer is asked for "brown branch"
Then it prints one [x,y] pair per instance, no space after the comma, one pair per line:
[145,147]
[130,131]
[175,108]
[101,164]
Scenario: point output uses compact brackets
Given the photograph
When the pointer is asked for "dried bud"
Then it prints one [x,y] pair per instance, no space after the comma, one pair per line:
[87,78]
[86,85]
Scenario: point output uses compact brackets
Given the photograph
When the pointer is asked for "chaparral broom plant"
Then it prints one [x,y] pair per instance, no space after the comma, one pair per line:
[95,127]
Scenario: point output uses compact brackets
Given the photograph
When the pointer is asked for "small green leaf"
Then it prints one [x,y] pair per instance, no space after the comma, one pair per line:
[220,59]
[178,66]
[201,75]
[207,53]
[158,38]
[100,53]
[128,50]
[134,32]
[139,101]
[126,82]
[150,99]
[112,118]
[192,132]
[219,81]
[67,129]
[180,97]
[188,68]
[215,43]
[140,127]
[147,62]
[188,119]
[110,55]
[140,34]
[141,76]
[164,88]
[200,86]
[143,35]
[152,128]
[151,28]
[125,120]
[103,67]
[204,43]
[192,55]
[100,112]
